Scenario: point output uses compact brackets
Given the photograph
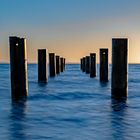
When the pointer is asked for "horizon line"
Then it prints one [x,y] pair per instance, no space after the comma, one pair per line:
[66,63]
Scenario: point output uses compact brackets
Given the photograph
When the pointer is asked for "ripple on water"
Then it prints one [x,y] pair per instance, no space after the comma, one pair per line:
[71,106]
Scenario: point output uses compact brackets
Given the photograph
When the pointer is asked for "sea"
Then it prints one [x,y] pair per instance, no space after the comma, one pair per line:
[72,106]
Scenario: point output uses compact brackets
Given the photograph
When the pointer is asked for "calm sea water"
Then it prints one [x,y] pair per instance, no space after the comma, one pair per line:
[71,106]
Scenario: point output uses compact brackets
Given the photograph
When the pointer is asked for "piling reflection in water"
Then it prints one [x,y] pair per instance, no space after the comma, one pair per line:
[118,119]
[104,84]
[118,104]
[17,121]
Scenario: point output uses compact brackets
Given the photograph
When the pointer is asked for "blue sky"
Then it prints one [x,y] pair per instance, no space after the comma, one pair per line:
[71,28]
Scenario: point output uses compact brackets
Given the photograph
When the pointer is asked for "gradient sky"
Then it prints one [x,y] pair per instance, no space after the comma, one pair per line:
[70,28]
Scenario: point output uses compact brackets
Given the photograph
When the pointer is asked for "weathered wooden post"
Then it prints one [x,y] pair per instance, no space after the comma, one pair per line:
[119,67]
[103,65]
[52,64]
[92,65]
[87,64]
[57,64]
[81,64]
[42,66]
[62,64]
[18,66]
[84,64]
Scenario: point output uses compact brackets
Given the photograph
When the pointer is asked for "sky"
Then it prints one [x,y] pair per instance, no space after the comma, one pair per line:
[70,28]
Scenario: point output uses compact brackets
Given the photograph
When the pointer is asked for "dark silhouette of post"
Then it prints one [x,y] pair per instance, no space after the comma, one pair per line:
[18,66]
[87,64]
[62,64]
[119,67]
[92,65]
[57,64]
[103,65]
[42,66]
[81,64]
[52,64]
[84,64]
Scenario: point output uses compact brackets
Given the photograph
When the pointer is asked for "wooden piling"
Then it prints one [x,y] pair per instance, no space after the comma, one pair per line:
[119,81]
[84,64]
[87,64]
[18,67]
[52,64]
[42,66]
[62,64]
[93,65]
[57,64]
[81,64]
[104,65]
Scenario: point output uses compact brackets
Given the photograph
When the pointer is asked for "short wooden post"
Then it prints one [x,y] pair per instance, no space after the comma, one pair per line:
[103,65]
[93,65]
[42,67]
[62,64]
[52,64]
[87,64]
[81,64]
[84,64]
[57,64]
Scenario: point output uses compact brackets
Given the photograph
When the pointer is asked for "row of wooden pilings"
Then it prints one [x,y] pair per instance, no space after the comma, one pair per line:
[56,65]
[88,65]
[119,76]
[18,66]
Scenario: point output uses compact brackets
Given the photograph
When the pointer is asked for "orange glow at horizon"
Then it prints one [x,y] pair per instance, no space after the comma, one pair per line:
[74,49]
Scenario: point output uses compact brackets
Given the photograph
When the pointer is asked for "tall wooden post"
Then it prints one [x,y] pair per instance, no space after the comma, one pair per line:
[18,66]
[119,67]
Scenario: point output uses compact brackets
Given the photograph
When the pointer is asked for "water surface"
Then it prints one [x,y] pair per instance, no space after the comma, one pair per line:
[71,106]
